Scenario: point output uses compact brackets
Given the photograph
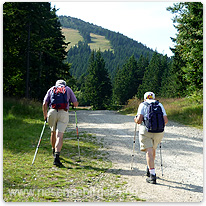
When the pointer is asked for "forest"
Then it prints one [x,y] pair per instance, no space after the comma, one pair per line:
[34,57]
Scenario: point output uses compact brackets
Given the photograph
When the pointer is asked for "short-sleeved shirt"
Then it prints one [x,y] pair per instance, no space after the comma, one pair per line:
[142,109]
[70,96]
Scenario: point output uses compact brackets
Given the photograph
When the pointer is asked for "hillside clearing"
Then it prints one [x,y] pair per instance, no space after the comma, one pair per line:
[71,35]
[98,41]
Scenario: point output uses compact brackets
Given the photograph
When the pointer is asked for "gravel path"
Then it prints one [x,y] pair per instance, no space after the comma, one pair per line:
[182,153]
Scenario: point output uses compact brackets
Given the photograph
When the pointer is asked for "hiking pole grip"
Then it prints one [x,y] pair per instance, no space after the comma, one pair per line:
[39,142]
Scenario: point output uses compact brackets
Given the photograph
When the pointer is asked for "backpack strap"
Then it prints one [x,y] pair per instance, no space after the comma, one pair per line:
[157,102]
[145,103]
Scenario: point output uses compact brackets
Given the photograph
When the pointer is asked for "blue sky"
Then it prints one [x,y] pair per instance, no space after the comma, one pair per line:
[146,22]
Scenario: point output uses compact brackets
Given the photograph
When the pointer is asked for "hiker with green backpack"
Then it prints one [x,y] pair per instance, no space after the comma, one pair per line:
[152,118]
[57,98]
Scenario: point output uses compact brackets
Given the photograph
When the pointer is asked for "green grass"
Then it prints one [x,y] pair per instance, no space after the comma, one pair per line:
[71,35]
[98,41]
[187,111]
[85,181]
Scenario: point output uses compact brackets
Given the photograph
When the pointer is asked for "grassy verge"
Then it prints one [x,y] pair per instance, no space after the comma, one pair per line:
[187,111]
[87,181]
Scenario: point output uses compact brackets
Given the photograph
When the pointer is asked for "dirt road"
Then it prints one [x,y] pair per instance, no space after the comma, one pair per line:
[182,153]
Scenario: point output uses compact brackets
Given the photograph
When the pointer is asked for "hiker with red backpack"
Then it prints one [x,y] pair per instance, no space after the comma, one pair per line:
[57,98]
[152,118]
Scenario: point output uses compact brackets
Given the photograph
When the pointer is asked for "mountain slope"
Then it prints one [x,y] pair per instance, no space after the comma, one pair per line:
[119,47]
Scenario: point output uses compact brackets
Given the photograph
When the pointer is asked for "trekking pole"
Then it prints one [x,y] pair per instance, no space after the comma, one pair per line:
[77,133]
[133,145]
[161,158]
[39,142]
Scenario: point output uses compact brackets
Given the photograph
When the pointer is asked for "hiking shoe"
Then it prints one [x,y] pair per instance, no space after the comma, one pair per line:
[151,179]
[57,162]
[147,172]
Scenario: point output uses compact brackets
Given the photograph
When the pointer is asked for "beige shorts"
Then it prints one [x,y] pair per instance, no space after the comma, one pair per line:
[148,139]
[58,120]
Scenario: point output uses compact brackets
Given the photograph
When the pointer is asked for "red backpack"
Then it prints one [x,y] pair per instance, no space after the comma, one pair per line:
[59,97]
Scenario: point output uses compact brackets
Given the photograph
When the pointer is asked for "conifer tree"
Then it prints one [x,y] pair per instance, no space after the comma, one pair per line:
[169,85]
[34,49]
[118,87]
[98,88]
[188,49]
[126,81]
[142,64]
[152,76]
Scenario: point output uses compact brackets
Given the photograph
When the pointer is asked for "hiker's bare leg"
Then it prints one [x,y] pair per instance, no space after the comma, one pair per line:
[59,141]
[53,139]
[154,153]
[150,157]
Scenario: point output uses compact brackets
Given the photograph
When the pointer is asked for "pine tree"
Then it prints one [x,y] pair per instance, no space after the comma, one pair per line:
[117,87]
[142,64]
[152,76]
[98,88]
[189,42]
[126,81]
[34,49]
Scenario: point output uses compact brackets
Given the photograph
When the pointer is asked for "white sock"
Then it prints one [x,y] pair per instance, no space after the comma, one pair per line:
[152,171]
